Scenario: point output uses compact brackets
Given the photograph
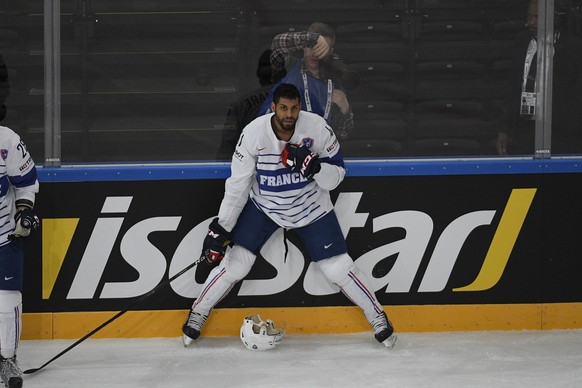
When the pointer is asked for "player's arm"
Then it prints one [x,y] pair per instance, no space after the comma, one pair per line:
[332,173]
[21,171]
[237,186]
[22,175]
[332,162]
[330,176]
[236,193]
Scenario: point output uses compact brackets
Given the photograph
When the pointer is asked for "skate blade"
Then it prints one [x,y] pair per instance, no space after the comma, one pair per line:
[186,340]
[390,341]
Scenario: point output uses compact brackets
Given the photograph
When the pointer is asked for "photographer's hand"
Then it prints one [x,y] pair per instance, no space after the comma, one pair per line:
[340,99]
[321,49]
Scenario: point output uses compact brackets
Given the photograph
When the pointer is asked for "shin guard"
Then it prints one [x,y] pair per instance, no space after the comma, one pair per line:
[342,271]
[10,322]
[235,266]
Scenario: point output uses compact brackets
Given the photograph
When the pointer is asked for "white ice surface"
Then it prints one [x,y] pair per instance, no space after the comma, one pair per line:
[476,359]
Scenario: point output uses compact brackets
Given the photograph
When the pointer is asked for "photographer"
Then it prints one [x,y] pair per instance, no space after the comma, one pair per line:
[316,71]
[519,118]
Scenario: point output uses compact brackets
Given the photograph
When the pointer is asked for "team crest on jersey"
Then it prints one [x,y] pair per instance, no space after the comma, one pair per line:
[307,142]
[4,153]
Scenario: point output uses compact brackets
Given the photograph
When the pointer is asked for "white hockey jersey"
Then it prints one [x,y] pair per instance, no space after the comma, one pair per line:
[18,179]
[286,197]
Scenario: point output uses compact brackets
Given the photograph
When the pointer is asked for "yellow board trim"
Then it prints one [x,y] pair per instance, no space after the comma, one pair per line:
[309,320]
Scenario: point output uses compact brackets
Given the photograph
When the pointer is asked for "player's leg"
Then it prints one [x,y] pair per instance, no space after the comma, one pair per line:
[11,261]
[342,271]
[326,245]
[251,232]
[235,266]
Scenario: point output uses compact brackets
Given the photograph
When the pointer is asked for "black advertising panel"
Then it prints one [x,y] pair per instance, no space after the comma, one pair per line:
[436,239]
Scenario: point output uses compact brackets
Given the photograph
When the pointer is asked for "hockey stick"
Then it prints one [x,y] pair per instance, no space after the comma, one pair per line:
[142,298]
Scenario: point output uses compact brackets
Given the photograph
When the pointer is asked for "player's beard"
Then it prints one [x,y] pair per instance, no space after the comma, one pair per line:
[287,124]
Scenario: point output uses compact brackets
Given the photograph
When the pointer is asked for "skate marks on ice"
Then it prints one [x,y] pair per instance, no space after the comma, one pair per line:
[478,359]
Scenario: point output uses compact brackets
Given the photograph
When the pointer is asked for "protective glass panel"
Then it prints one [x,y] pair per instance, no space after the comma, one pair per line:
[153,81]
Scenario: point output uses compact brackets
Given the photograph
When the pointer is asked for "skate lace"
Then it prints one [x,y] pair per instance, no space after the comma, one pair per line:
[379,323]
[196,320]
[9,368]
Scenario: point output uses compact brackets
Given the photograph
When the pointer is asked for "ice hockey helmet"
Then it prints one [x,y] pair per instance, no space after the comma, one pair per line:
[257,334]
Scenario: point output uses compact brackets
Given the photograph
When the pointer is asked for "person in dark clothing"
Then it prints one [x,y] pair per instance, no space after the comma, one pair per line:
[245,109]
[4,88]
[518,134]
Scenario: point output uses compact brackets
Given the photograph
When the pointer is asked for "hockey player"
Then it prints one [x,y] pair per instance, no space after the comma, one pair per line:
[18,188]
[283,168]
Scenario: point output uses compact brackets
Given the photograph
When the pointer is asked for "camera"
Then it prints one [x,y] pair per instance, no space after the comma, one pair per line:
[339,72]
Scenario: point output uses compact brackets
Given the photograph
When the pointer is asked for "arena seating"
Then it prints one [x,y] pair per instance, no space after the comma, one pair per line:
[152,81]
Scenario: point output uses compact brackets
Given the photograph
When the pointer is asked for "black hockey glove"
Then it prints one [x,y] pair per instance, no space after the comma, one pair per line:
[26,223]
[215,243]
[300,159]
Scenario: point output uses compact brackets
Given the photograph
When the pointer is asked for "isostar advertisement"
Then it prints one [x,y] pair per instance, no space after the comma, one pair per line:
[421,240]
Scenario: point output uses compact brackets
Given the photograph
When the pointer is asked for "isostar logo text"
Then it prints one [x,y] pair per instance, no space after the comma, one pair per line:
[151,264]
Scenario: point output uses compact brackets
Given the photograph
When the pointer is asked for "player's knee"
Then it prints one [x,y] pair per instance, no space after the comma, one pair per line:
[337,268]
[9,300]
[238,262]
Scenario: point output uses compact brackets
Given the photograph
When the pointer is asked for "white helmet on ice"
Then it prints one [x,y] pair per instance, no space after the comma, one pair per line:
[259,335]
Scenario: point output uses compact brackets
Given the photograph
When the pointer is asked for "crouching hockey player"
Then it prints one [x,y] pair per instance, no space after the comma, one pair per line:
[283,168]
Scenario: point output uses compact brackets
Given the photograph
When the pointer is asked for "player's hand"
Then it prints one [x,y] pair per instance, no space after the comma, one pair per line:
[26,223]
[300,159]
[215,242]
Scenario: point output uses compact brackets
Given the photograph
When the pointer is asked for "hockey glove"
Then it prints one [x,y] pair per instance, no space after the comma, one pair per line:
[215,243]
[26,223]
[300,159]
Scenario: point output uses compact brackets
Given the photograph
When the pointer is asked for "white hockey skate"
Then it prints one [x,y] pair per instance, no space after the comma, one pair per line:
[10,372]
[192,327]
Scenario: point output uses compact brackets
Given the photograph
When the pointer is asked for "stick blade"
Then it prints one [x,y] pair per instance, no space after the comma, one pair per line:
[31,371]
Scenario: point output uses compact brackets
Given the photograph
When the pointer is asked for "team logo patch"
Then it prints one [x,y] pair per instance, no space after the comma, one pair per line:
[4,153]
[307,142]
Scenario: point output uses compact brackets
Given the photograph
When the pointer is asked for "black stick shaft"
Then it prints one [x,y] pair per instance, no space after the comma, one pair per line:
[113,318]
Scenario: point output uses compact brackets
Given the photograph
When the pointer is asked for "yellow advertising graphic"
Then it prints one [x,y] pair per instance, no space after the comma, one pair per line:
[57,234]
[504,239]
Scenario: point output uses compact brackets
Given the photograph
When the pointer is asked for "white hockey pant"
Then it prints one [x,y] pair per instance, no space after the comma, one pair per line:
[10,322]
[234,267]
[342,271]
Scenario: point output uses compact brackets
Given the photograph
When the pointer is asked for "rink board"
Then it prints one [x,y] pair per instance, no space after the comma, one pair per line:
[447,245]
[321,320]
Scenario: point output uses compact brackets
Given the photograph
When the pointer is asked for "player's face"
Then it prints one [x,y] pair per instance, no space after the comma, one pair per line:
[286,113]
